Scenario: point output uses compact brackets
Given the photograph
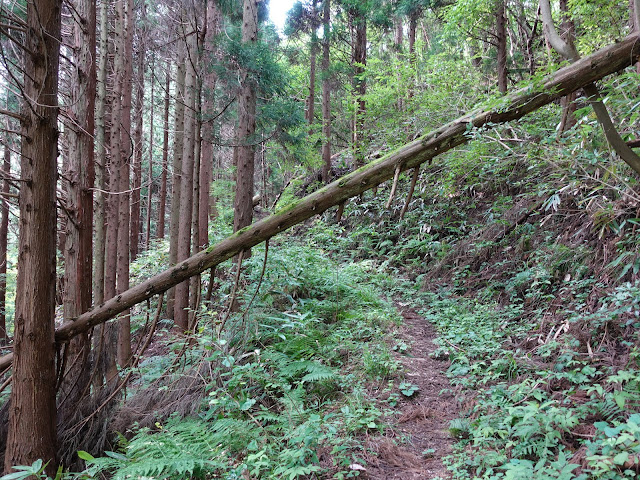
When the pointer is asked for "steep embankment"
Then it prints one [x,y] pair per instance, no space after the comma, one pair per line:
[528,265]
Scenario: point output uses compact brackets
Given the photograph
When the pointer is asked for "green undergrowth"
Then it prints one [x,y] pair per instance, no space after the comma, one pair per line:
[547,411]
[285,381]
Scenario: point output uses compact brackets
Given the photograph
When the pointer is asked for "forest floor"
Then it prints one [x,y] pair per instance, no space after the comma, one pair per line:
[419,438]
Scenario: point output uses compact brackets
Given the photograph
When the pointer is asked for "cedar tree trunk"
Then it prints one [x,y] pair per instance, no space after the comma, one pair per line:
[245,150]
[78,253]
[326,93]
[32,412]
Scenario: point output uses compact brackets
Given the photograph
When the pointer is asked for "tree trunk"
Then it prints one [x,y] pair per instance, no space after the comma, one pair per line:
[413,27]
[245,151]
[326,93]
[4,230]
[116,161]
[398,38]
[78,253]
[147,230]
[311,99]
[134,238]
[176,178]
[194,288]
[32,411]
[412,186]
[566,80]
[360,87]
[180,314]
[207,131]
[105,246]
[165,155]
[634,14]
[101,159]
[568,119]
[501,38]
[124,212]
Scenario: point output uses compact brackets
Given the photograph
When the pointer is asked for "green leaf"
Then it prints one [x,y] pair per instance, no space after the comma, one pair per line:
[15,476]
[621,458]
[247,404]
[87,457]
[116,455]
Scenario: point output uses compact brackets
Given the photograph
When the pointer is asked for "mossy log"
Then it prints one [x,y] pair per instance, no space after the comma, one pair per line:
[583,72]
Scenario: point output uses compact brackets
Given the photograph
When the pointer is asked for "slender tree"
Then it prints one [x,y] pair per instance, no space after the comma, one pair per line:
[326,92]
[4,231]
[162,201]
[501,41]
[358,20]
[101,158]
[105,246]
[124,212]
[181,317]
[78,253]
[134,239]
[311,101]
[209,82]
[568,33]
[176,178]
[634,14]
[245,149]
[149,203]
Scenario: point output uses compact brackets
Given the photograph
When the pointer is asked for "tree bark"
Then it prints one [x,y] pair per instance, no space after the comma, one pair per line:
[134,238]
[124,212]
[208,106]
[105,246]
[32,411]
[115,158]
[149,203]
[568,119]
[413,27]
[501,38]
[194,287]
[412,186]
[573,77]
[360,87]
[245,151]
[311,99]
[176,178]
[101,159]
[634,10]
[162,207]
[180,314]
[4,231]
[326,93]
[78,251]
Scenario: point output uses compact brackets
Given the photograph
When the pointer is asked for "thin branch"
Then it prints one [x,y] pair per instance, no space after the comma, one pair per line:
[12,114]
[12,27]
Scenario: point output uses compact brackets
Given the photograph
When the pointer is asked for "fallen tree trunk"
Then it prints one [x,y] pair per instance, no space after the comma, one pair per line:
[566,80]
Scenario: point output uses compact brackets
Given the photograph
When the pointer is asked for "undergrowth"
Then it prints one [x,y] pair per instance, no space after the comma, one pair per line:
[285,393]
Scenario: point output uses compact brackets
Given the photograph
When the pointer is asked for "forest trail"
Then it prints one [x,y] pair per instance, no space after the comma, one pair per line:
[419,439]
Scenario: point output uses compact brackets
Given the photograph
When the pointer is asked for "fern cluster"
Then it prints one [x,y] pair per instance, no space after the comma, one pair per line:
[294,390]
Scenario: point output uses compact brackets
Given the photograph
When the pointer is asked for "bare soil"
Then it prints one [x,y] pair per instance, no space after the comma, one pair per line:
[419,438]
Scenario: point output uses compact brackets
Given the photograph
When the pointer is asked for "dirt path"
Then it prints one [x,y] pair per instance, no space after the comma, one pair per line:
[413,449]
